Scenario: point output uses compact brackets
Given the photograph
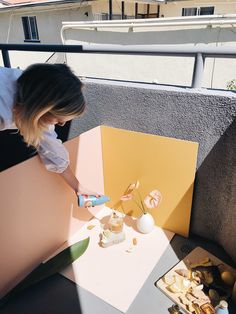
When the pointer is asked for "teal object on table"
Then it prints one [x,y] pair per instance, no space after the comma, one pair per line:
[222,308]
[91,200]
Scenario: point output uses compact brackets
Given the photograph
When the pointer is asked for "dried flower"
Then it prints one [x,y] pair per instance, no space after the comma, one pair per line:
[133,186]
[126,197]
[152,200]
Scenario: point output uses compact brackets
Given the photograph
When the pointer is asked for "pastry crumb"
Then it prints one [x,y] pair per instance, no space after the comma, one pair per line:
[135,241]
[130,250]
[90,227]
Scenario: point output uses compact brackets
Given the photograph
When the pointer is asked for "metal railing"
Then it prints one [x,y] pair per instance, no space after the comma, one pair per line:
[199,53]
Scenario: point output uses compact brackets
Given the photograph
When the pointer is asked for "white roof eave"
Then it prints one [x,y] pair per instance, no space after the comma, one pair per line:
[6,8]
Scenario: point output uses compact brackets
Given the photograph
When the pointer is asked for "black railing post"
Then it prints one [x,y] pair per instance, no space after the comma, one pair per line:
[158,10]
[6,58]
[136,10]
[110,10]
[122,10]
[148,10]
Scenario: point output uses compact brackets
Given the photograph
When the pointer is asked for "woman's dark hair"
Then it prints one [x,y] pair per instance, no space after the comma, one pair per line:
[44,88]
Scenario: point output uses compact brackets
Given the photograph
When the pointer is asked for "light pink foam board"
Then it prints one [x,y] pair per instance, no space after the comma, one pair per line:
[39,212]
[112,273]
[87,164]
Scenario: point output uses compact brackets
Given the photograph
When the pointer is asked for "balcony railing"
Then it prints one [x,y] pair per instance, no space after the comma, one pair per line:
[199,53]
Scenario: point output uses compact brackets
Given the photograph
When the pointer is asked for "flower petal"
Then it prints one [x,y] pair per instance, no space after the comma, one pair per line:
[148,201]
[126,197]
[133,186]
[156,194]
[153,199]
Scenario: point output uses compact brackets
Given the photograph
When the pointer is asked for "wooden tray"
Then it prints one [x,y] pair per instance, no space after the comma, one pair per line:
[193,257]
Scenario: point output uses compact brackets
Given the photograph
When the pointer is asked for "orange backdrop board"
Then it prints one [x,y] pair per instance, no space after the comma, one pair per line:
[158,162]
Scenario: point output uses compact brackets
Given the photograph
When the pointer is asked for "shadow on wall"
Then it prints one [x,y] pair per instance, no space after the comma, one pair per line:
[213,212]
[164,37]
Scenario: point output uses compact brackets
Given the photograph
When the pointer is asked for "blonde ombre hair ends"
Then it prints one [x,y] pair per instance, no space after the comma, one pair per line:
[44,88]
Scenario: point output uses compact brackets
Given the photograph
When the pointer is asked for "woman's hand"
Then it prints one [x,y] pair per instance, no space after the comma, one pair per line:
[74,183]
[84,190]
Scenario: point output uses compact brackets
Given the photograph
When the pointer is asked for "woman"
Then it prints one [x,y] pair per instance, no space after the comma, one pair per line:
[33,101]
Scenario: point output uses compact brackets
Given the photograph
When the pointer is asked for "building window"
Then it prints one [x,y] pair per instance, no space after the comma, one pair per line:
[30,28]
[206,11]
[198,11]
[189,11]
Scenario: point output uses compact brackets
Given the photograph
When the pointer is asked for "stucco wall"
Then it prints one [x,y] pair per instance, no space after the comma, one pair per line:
[204,117]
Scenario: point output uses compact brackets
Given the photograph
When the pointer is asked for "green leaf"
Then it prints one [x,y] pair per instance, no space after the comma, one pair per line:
[51,267]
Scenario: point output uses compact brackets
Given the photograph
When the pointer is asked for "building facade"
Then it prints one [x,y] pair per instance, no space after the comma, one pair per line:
[158,23]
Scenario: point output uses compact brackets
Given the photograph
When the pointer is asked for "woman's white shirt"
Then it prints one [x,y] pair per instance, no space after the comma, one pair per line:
[51,150]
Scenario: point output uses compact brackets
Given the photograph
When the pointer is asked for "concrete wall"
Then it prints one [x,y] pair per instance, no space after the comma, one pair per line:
[205,117]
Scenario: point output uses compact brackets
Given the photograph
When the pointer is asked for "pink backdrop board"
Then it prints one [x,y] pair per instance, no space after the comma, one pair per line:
[39,211]
[87,164]
[112,273]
